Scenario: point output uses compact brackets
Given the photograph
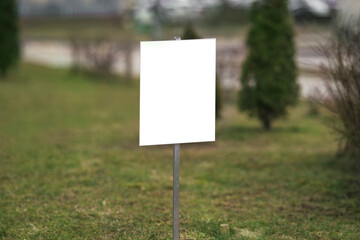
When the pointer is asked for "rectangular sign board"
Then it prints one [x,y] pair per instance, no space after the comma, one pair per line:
[177,91]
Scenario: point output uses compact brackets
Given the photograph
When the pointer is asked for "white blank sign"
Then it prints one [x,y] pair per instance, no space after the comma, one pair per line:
[177,91]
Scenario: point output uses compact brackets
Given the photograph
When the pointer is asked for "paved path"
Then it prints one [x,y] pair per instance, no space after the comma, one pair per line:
[58,54]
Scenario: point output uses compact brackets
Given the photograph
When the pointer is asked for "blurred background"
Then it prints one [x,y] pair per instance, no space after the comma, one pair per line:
[51,28]
[71,166]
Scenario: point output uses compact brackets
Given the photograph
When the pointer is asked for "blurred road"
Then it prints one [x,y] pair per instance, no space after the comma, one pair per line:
[231,54]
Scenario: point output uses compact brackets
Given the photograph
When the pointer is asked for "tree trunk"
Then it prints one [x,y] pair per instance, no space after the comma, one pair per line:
[3,74]
[266,122]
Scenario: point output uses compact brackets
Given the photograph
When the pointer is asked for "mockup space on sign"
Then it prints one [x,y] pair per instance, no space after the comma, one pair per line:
[177,91]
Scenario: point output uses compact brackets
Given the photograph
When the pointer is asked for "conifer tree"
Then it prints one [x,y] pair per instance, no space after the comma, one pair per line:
[269,73]
[9,39]
[190,33]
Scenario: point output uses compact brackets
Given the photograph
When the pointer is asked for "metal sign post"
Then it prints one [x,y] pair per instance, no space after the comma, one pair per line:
[176,186]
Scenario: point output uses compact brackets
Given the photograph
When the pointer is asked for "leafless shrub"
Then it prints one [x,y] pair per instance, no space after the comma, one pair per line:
[75,46]
[228,65]
[128,58]
[343,87]
[95,56]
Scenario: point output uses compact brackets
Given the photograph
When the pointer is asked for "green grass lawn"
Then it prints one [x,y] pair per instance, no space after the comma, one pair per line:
[71,168]
[66,28]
